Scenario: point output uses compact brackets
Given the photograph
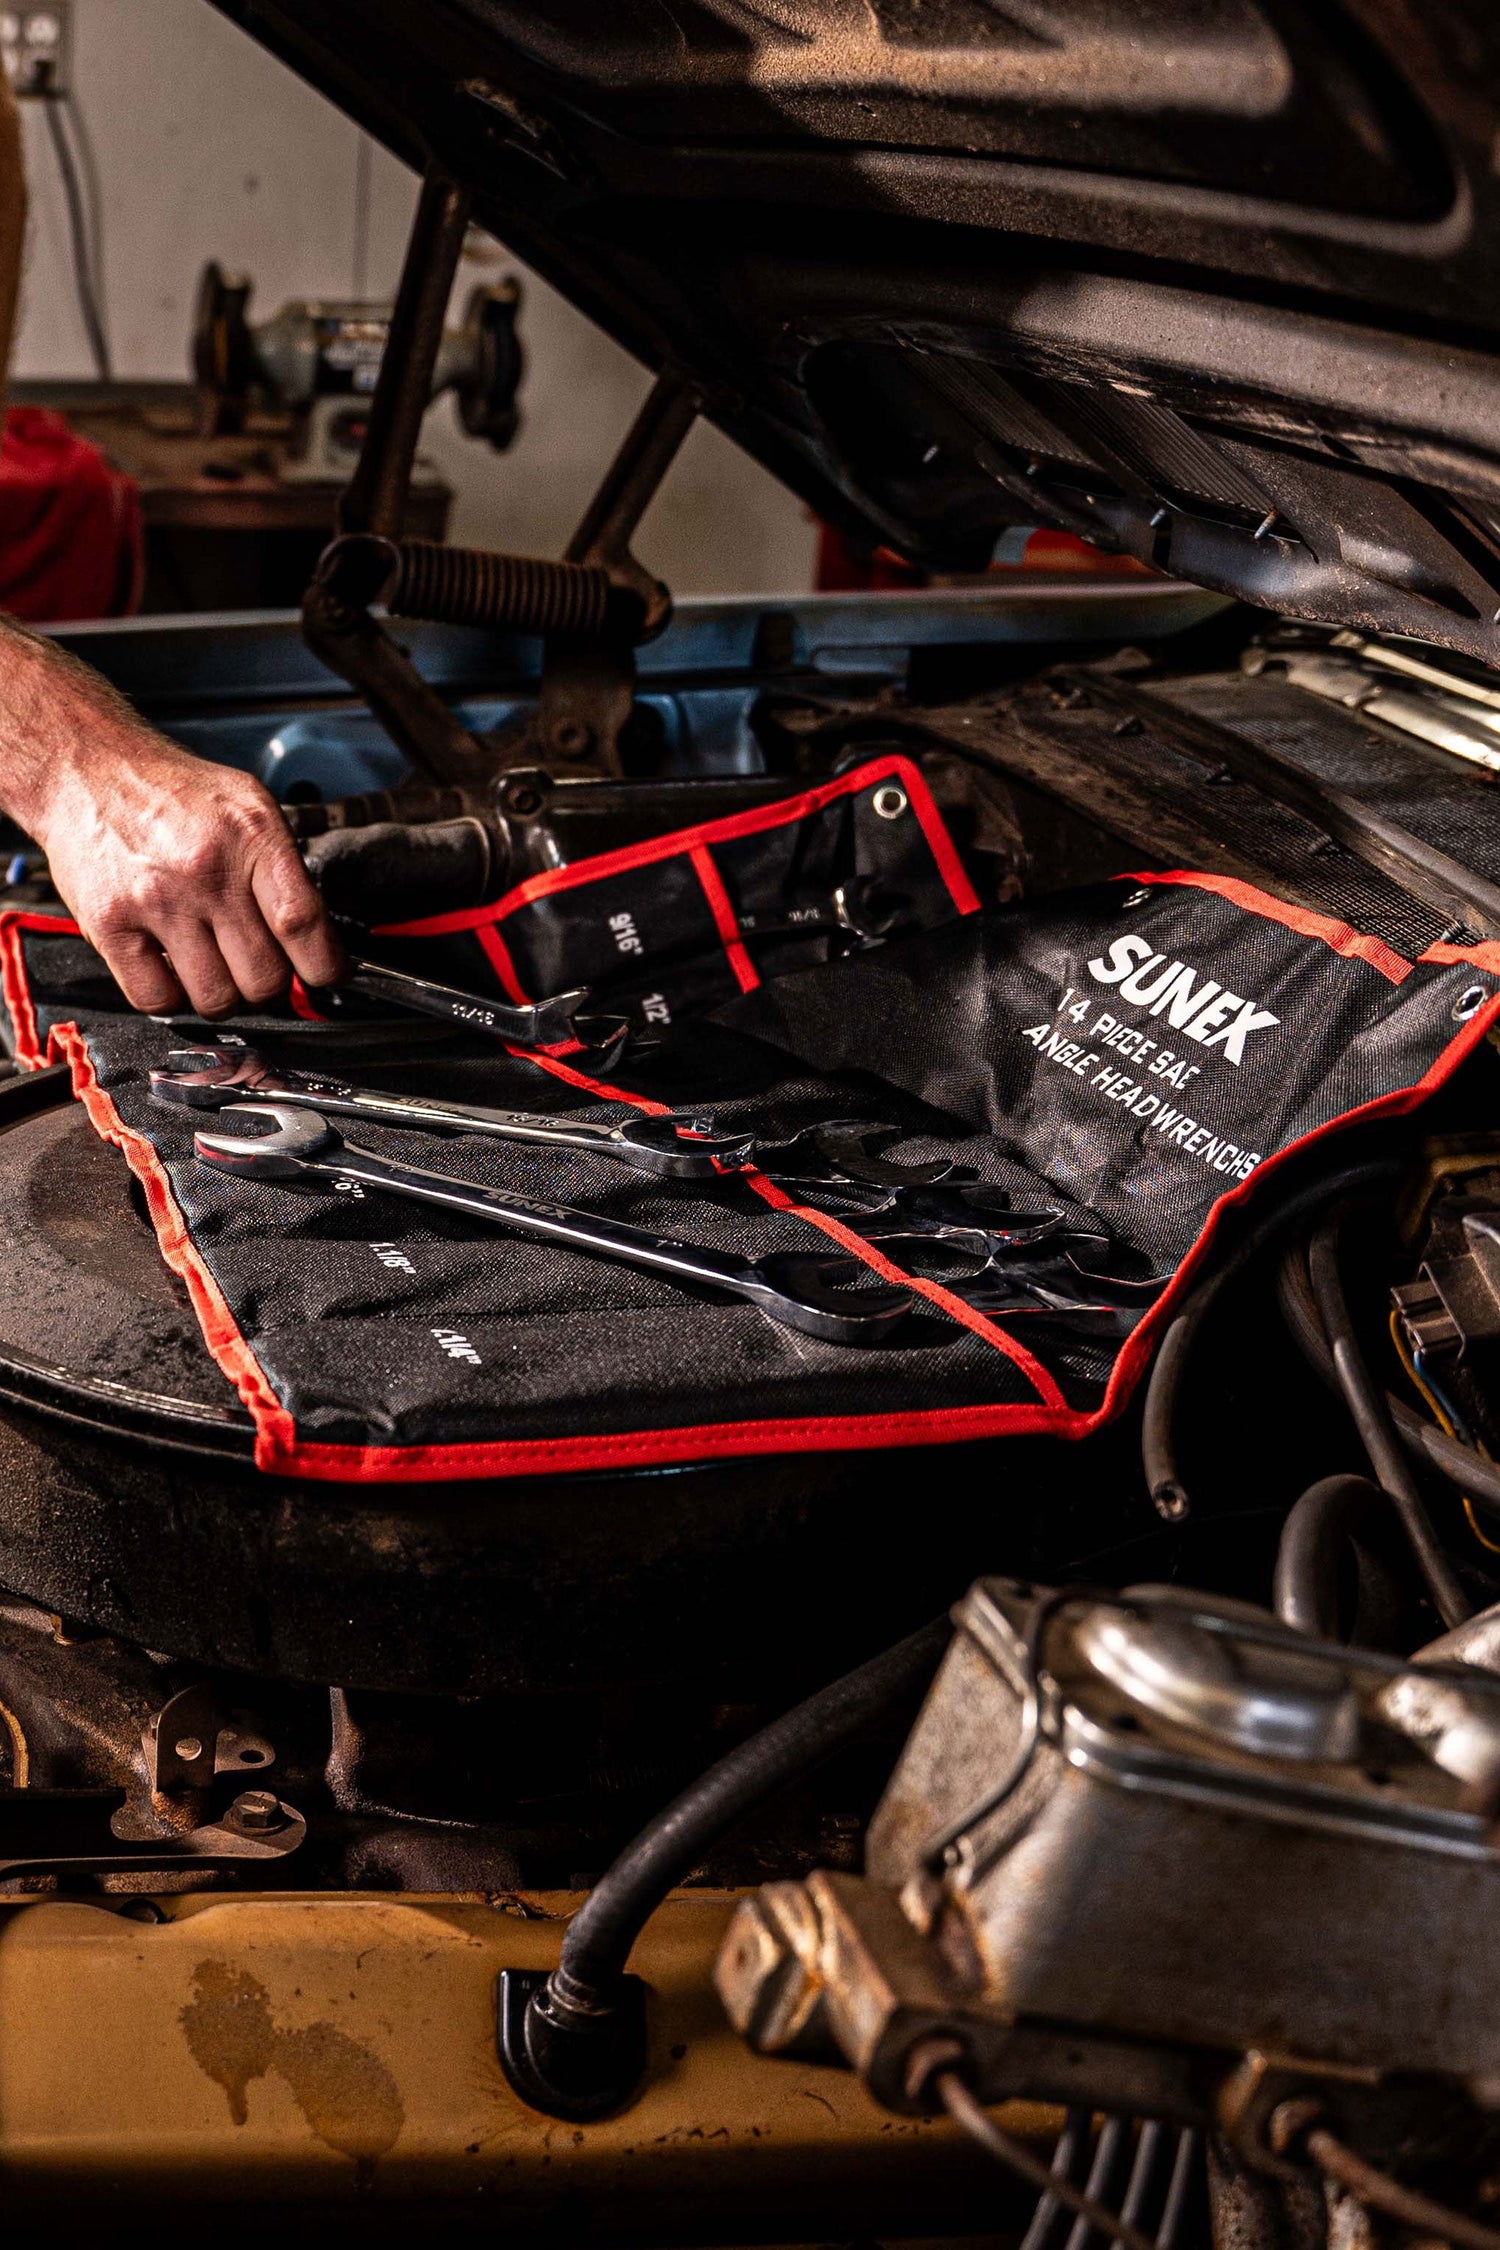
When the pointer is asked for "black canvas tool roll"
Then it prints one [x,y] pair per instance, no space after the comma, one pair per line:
[673,926]
[1123,1057]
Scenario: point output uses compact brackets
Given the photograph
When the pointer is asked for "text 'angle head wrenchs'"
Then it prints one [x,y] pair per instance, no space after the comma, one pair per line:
[831,1297]
[216,1077]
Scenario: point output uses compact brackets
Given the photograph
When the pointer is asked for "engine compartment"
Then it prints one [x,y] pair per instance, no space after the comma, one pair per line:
[488,1688]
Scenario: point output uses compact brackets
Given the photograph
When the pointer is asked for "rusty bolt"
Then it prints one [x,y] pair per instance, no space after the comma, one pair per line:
[755,1955]
[256,1810]
[767,1971]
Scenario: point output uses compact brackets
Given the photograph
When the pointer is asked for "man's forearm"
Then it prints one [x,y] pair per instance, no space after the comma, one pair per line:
[55,713]
[182,873]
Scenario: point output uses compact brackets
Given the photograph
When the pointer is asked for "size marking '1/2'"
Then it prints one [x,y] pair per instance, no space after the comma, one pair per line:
[457,1346]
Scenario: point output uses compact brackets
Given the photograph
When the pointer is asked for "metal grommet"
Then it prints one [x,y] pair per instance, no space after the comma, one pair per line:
[1469,1003]
[889,802]
[1136,898]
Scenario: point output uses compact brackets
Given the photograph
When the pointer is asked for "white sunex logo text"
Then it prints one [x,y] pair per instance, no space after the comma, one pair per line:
[1205,1012]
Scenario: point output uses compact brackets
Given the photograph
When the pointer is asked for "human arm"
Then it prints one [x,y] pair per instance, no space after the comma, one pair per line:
[181,873]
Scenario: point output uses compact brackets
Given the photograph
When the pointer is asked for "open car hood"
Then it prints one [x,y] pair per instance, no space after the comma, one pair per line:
[1215,282]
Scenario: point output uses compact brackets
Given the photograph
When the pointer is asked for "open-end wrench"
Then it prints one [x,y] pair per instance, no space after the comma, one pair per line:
[815,1294]
[218,1077]
[859,909]
[969,1213]
[849,1148]
[540,1023]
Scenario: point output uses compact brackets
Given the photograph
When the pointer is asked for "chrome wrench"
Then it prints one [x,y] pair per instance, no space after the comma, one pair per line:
[221,1077]
[814,1294]
[554,1022]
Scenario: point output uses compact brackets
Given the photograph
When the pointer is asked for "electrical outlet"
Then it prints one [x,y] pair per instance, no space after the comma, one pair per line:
[35,48]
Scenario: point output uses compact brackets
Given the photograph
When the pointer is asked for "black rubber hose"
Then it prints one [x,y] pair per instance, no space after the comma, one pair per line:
[1158,1448]
[1312,1542]
[598,1940]
[1367,1406]
[1477,1478]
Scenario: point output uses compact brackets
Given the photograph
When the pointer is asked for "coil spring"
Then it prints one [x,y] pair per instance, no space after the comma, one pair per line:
[506,593]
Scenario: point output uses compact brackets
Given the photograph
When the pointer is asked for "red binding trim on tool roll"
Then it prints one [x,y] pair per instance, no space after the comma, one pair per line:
[1484,955]
[1355,945]
[274,1428]
[497,953]
[14,983]
[301,1005]
[683,842]
[546,1060]
[1141,1342]
[692,844]
[278,1449]
[652,1449]
[745,975]
[987,1330]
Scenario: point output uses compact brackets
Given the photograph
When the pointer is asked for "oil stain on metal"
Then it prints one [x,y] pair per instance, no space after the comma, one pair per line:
[345,2092]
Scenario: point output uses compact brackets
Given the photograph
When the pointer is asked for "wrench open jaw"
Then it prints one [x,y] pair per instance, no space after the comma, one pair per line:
[555,1022]
[831,1297]
[848,1149]
[214,1077]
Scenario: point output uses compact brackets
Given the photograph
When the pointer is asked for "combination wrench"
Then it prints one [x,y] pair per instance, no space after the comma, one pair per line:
[810,1293]
[224,1077]
[554,1022]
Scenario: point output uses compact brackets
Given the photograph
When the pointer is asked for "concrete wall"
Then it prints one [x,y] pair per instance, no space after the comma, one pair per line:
[206,147]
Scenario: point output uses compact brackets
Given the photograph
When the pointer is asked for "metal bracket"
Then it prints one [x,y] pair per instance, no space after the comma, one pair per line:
[190,1741]
[71,1831]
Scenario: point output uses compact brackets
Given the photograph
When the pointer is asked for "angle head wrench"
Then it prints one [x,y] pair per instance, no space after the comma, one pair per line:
[221,1077]
[843,1149]
[812,1294]
[540,1023]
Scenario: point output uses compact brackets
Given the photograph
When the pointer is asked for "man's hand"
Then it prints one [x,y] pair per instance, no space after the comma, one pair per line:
[182,874]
